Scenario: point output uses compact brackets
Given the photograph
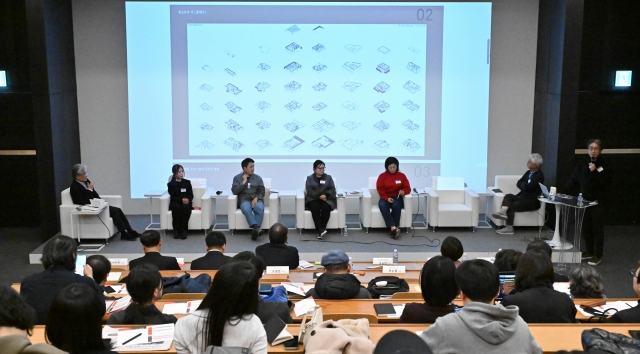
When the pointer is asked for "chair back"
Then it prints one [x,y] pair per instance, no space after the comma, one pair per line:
[450,189]
[267,190]
[373,181]
[65,197]
[350,316]
[406,296]
[198,183]
[507,183]
[184,296]
[197,195]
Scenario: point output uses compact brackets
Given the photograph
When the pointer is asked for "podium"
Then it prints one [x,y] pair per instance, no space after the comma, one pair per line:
[565,205]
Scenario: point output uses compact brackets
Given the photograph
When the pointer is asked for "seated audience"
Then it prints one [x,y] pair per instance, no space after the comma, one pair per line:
[59,260]
[586,283]
[452,249]
[151,245]
[392,185]
[480,326]
[16,326]
[534,294]
[144,284]
[545,248]
[250,190]
[265,309]
[320,197]
[438,285]
[401,341]
[277,252]
[181,203]
[226,317]
[74,323]
[337,282]
[507,260]
[631,315]
[215,258]
[101,267]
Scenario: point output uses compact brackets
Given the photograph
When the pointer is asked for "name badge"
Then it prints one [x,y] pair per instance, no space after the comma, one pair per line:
[183,190]
[382,261]
[249,185]
[529,181]
[277,270]
[398,181]
[118,261]
[393,269]
[600,169]
[322,182]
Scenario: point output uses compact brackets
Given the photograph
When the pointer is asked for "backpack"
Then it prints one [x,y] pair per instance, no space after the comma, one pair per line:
[394,285]
[186,284]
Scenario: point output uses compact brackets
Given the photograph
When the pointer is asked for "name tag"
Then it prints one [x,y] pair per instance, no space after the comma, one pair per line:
[277,270]
[529,181]
[183,190]
[382,261]
[600,169]
[398,181]
[249,185]
[393,269]
[118,261]
[322,182]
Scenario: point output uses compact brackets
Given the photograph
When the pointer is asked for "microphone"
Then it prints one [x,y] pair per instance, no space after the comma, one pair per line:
[415,190]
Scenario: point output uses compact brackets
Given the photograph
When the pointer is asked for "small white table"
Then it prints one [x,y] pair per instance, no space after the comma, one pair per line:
[488,197]
[286,194]
[353,194]
[87,211]
[151,195]
[214,199]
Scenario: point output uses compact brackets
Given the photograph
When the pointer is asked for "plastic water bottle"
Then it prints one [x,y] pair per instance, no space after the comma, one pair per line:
[464,257]
[580,199]
[395,256]
[351,264]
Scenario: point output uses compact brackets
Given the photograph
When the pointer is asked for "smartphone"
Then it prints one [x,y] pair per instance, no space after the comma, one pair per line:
[81,260]
[265,288]
[291,344]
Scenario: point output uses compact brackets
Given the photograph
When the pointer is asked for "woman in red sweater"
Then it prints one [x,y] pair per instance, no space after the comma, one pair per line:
[392,185]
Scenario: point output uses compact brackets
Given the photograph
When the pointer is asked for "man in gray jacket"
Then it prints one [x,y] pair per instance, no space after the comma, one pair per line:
[480,326]
[250,191]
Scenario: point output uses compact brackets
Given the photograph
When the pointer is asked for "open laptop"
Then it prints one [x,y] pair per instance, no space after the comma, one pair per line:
[558,197]
[507,283]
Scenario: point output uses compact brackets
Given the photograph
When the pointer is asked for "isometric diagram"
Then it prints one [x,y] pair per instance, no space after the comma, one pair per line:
[351,144]
[292,86]
[318,28]
[319,106]
[293,29]
[411,145]
[205,107]
[411,106]
[352,47]
[383,68]
[318,47]
[384,50]
[320,86]
[414,50]
[351,66]
[381,145]
[322,142]
[292,67]
[322,126]
[230,72]
[263,125]
[409,124]
[411,86]
[206,126]
[262,86]
[381,106]
[205,145]
[293,48]
[262,105]
[232,107]
[233,89]
[233,125]
[351,125]
[234,144]
[294,126]
[319,67]
[206,87]
[382,87]
[381,126]
[263,144]
[413,68]
[350,106]
[264,49]
[263,67]
[292,106]
[292,143]
[206,68]
[229,53]
[351,86]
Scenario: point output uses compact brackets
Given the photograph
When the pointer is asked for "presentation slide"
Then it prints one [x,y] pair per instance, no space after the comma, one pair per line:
[289,83]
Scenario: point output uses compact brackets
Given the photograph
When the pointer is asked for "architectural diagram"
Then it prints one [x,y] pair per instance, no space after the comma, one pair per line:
[381,145]
[230,72]
[292,106]
[264,49]
[234,144]
[293,29]
[320,86]
[351,144]
[229,53]
[292,67]
[233,89]
[263,67]
[262,86]
[262,105]
[293,86]
[411,86]
[381,106]
[205,87]
[382,87]
[383,68]
[293,48]
[352,47]
[233,125]
[411,106]
[263,125]
[414,50]
[205,145]
[292,143]
[351,125]
[319,67]
[207,68]
[206,107]
[294,126]
[413,67]
[263,144]
[350,106]
[322,142]
[410,125]
[322,126]
[232,107]
[351,86]
[411,145]
[318,47]
[206,126]
[384,50]
[351,66]
[381,126]
[319,106]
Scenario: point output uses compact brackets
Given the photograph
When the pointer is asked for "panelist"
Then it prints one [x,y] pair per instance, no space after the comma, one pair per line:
[526,199]
[82,190]
[249,188]
[392,185]
[181,202]
[320,197]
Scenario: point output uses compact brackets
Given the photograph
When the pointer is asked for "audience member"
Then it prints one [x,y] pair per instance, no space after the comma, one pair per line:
[277,252]
[401,341]
[101,267]
[265,309]
[586,283]
[151,245]
[480,326]
[144,285]
[544,247]
[250,190]
[631,315]
[336,282]
[534,294]
[226,317]
[74,323]
[507,260]
[215,258]
[16,326]
[452,249]
[438,285]
[59,260]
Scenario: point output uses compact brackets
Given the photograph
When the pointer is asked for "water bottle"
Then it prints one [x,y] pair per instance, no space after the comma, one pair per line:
[580,199]
[395,256]
[464,257]
[351,264]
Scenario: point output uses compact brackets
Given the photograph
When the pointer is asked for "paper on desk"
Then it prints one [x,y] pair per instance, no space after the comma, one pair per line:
[120,289]
[296,288]
[120,304]
[305,265]
[618,305]
[114,276]
[181,307]
[399,309]
[304,306]
[562,287]
[157,337]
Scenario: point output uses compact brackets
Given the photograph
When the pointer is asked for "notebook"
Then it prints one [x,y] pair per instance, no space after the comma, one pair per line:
[277,331]
[384,309]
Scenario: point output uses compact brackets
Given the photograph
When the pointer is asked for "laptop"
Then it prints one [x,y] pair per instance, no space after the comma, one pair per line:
[507,283]
[545,191]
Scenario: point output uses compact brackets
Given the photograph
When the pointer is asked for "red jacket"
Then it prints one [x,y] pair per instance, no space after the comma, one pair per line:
[389,184]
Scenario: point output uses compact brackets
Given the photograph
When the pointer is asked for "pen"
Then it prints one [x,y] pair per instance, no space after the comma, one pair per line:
[132,338]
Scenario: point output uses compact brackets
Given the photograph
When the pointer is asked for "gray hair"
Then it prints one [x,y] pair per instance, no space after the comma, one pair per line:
[585,282]
[78,169]
[536,159]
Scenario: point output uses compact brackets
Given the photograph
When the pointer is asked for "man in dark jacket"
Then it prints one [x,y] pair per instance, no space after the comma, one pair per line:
[151,245]
[527,199]
[215,258]
[276,252]
[337,282]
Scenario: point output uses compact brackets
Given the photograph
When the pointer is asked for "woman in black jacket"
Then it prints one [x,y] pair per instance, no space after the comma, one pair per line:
[181,201]
[320,197]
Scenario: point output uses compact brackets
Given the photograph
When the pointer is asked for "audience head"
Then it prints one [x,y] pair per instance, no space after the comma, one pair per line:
[78,171]
[391,161]
[452,248]
[534,162]
[176,169]
[15,312]
[250,257]
[507,260]
[595,148]
[278,233]
[534,270]
[144,284]
[541,246]
[401,341]
[478,280]
[336,261]
[585,282]
[60,251]
[233,295]
[101,267]
[150,239]
[216,240]
[245,163]
[74,323]
[438,281]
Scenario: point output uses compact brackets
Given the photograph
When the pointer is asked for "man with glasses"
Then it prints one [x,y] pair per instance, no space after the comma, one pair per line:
[320,197]
[631,315]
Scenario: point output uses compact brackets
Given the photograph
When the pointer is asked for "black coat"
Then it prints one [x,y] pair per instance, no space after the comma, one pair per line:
[631,315]
[155,258]
[268,309]
[278,255]
[592,184]
[40,289]
[80,194]
[151,314]
[543,305]
[175,192]
[316,187]
[423,313]
[338,286]
[530,188]
[213,260]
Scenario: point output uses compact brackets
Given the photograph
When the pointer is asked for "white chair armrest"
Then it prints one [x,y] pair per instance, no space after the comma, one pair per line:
[541,213]
[341,205]
[165,199]
[433,201]
[300,208]
[472,200]
[207,209]
[274,209]
[113,200]
[408,210]
[365,211]
[232,206]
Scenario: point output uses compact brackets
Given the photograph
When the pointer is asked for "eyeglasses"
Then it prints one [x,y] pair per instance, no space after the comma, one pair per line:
[633,272]
[320,168]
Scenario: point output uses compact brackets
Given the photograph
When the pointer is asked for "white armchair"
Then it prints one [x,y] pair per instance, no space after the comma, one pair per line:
[199,220]
[337,218]
[451,204]
[507,184]
[370,212]
[237,221]
[87,227]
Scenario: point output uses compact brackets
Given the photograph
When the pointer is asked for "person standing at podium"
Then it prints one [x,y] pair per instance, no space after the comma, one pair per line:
[591,177]
[181,203]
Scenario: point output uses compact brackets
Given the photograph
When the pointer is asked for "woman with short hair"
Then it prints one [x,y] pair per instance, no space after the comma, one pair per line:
[181,202]
[392,185]
[585,283]
[320,197]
